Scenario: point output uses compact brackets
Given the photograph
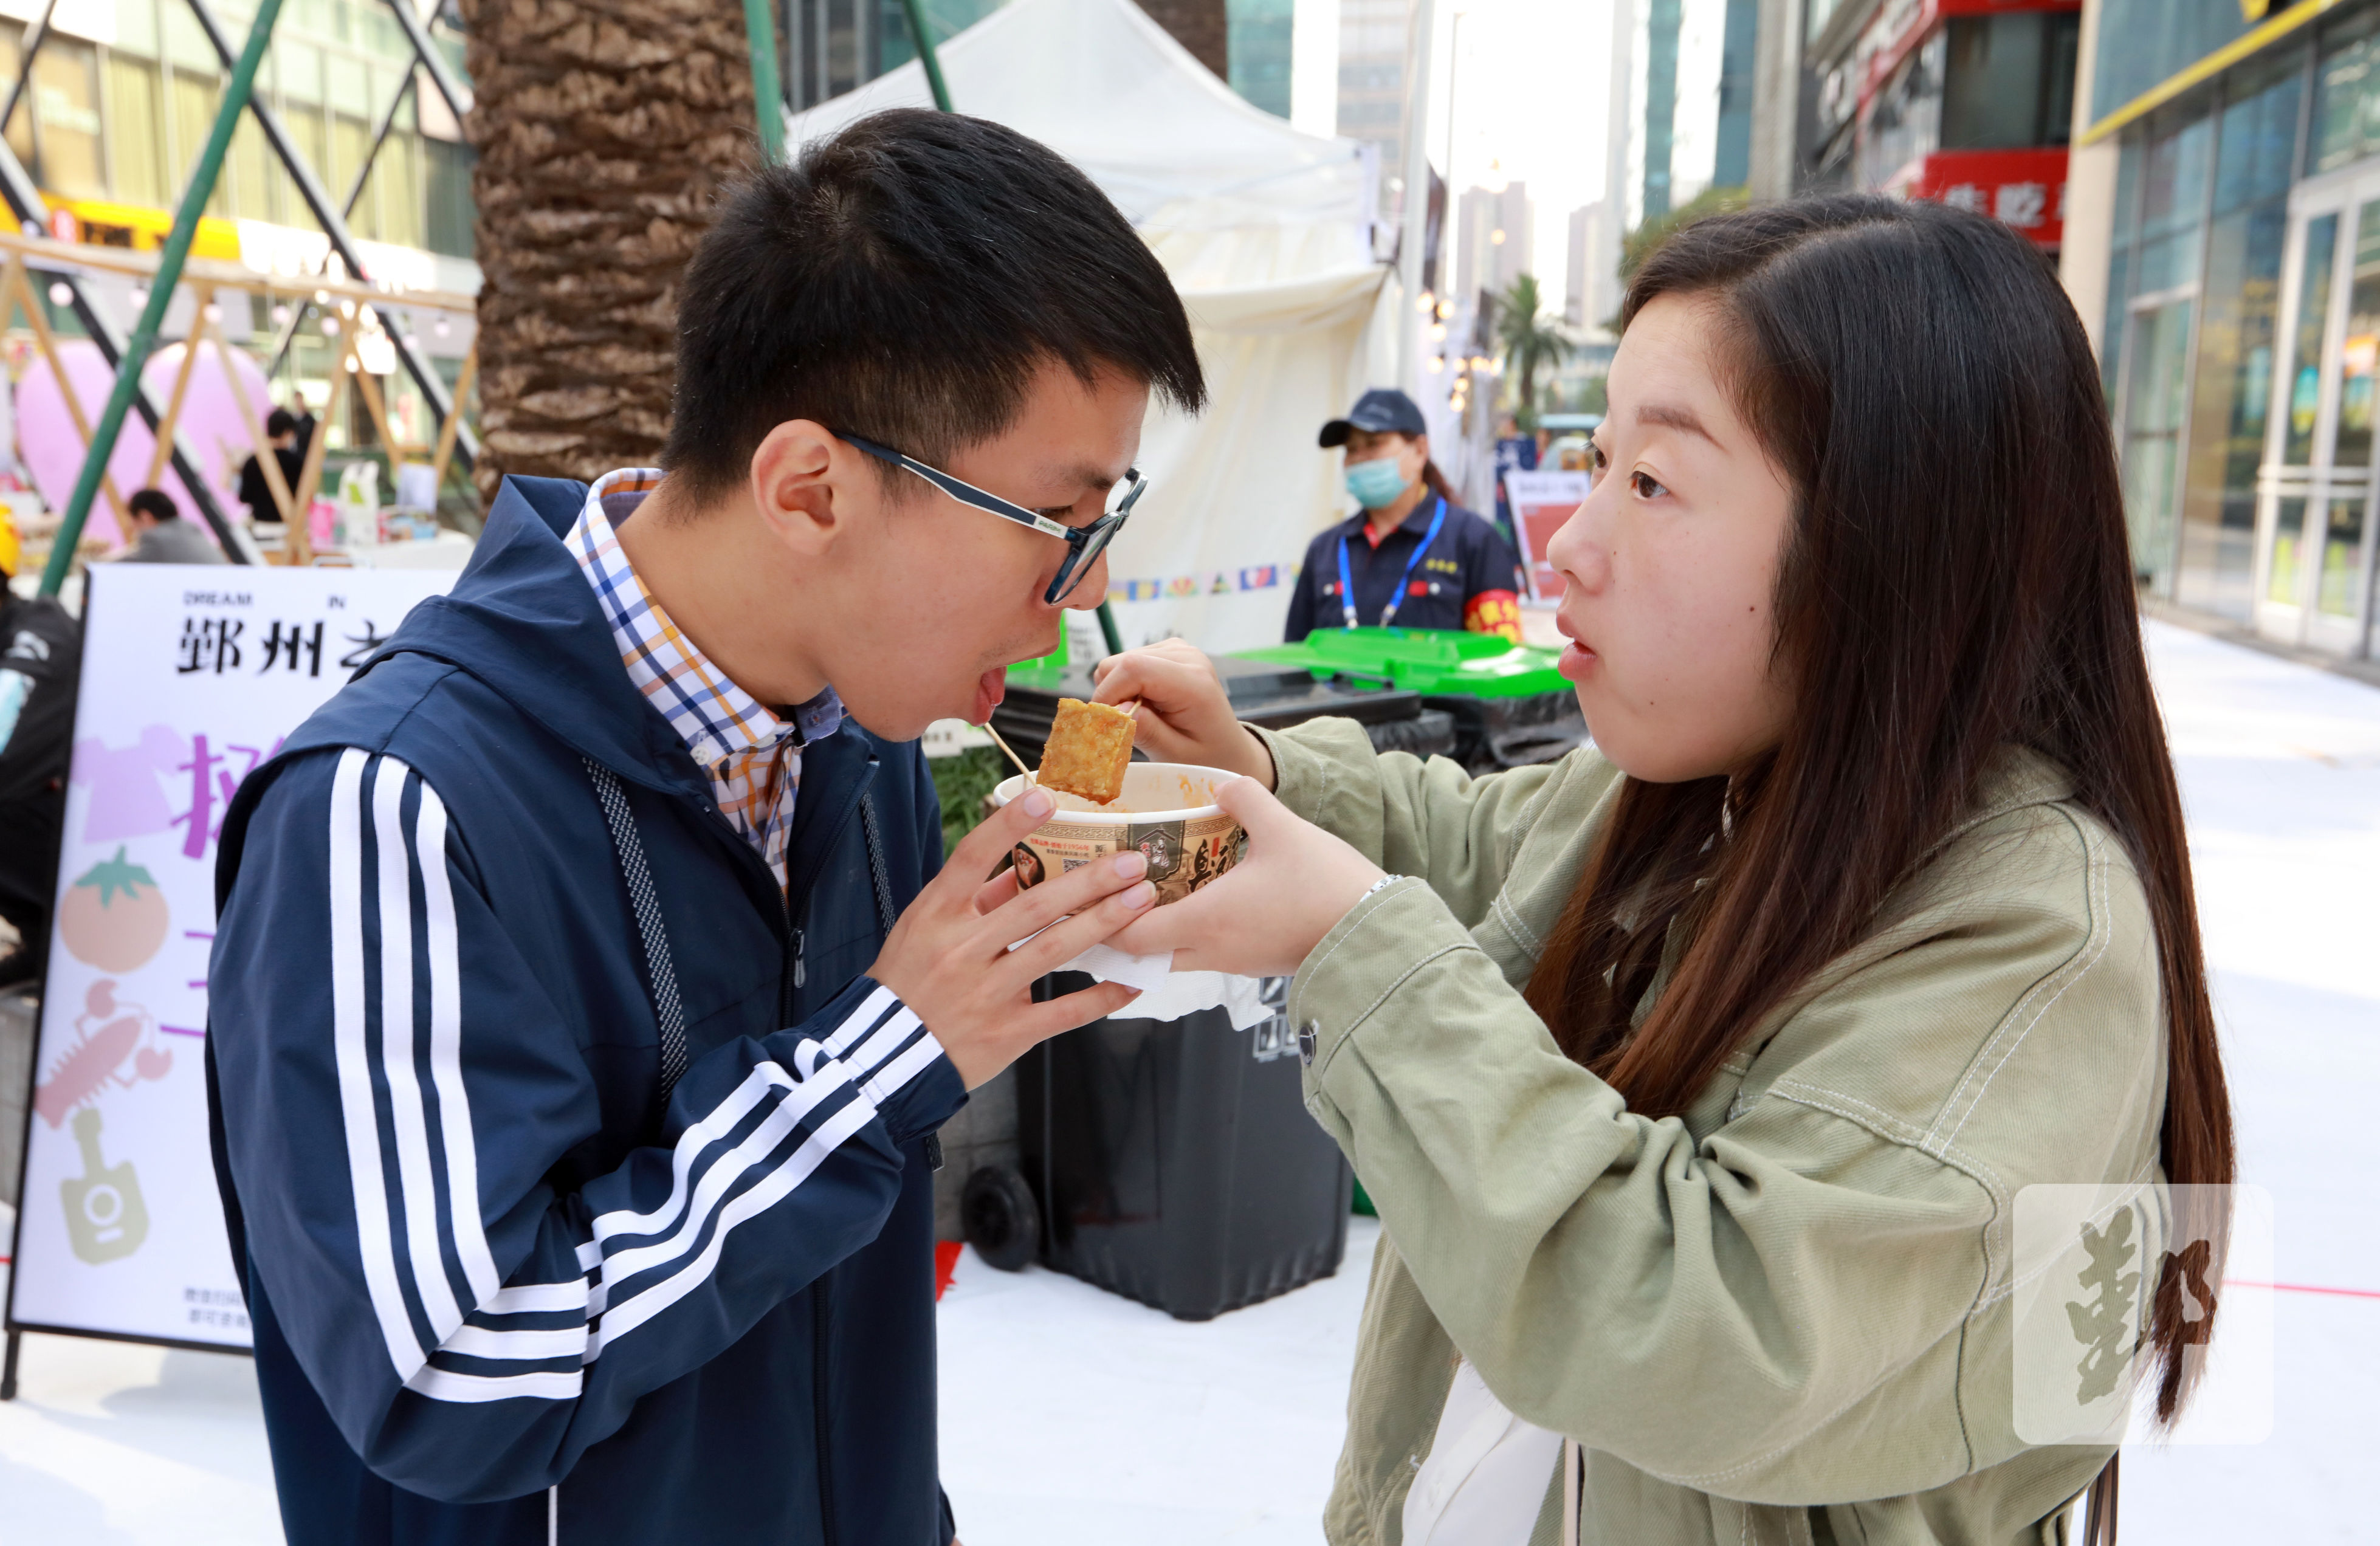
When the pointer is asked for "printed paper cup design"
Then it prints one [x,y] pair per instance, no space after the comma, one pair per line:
[1167,811]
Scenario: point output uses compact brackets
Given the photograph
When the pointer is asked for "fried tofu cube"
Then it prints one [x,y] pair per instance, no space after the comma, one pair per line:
[1089,745]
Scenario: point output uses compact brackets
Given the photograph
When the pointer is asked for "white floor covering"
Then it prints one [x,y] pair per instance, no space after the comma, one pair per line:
[1072,1417]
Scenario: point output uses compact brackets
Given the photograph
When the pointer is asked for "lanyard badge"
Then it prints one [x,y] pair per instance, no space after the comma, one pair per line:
[1347,581]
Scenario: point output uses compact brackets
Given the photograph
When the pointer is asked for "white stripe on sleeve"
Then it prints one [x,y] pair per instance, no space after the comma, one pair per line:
[446,1050]
[644,1304]
[365,1175]
[536,1298]
[444,1384]
[417,1187]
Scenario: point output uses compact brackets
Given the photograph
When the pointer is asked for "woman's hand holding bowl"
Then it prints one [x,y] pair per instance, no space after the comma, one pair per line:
[1267,915]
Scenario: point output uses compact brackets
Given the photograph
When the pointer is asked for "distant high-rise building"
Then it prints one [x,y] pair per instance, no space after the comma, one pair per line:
[1592,294]
[1574,281]
[1492,238]
[1372,38]
[1260,31]
[834,46]
[1689,124]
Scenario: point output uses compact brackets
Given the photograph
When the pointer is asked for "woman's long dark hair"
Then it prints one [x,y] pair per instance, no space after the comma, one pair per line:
[1957,580]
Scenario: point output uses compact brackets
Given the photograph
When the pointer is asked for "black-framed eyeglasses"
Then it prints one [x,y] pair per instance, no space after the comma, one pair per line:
[1084,543]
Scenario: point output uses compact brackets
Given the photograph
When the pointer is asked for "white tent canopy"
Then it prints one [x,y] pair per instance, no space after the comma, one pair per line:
[1265,232]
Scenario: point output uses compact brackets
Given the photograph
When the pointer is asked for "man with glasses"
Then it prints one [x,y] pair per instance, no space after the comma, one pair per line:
[585,998]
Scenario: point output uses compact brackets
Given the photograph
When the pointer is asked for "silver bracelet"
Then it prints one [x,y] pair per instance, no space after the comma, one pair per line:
[1378,886]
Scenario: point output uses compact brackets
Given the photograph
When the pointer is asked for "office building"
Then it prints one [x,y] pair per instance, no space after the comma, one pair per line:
[1688,68]
[2223,245]
[1493,241]
[121,97]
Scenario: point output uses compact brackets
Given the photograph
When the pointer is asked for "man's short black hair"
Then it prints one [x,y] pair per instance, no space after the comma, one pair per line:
[904,280]
[279,422]
[156,503]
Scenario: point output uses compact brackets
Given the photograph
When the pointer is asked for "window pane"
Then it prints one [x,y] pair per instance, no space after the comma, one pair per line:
[2173,199]
[2160,345]
[2260,134]
[2008,81]
[2360,355]
[2342,555]
[194,115]
[2347,96]
[2305,357]
[20,127]
[2281,585]
[2228,410]
[1992,98]
[249,169]
[349,139]
[136,145]
[65,94]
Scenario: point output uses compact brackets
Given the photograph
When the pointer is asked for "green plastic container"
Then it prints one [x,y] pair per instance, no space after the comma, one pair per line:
[1510,706]
[1428,660]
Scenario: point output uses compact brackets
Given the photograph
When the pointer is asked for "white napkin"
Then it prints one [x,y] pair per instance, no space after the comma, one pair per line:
[1167,995]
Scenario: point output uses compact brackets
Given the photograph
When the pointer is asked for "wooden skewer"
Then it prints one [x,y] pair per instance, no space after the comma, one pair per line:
[1012,753]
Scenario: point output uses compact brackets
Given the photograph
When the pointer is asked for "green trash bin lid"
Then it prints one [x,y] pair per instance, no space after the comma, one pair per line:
[1433,662]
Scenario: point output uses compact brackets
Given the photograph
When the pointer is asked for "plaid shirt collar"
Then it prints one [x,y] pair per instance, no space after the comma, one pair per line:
[717,719]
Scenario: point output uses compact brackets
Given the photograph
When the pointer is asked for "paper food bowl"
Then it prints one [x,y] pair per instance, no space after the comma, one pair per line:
[1167,811]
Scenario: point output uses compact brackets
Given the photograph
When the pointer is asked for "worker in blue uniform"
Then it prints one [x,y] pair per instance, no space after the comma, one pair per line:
[1411,557]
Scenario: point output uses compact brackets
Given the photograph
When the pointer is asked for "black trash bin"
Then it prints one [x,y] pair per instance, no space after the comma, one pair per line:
[1176,1162]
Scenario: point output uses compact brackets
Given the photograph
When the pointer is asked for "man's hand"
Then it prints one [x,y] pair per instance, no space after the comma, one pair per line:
[1265,915]
[1185,715]
[948,956]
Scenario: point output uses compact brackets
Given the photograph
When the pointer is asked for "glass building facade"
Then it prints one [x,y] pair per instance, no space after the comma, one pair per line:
[2242,341]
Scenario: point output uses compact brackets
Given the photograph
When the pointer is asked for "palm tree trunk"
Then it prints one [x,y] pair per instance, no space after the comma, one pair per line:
[604,129]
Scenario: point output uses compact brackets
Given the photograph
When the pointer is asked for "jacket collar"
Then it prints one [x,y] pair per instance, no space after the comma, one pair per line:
[523,620]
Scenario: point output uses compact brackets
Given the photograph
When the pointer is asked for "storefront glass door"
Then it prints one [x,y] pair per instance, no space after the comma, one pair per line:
[2315,516]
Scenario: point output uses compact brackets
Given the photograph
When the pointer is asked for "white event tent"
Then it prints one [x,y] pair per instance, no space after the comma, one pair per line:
[1265,232]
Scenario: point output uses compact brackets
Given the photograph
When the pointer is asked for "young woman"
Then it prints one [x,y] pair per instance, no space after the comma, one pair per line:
[1695,1077]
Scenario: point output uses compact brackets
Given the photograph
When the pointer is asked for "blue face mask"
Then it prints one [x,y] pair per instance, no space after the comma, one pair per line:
[1377,483]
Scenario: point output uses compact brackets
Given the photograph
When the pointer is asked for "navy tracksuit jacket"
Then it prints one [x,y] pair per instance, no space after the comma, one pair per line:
[501,1292]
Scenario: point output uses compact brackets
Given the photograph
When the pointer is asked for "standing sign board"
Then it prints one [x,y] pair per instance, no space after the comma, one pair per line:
[1541,503]
[192,677]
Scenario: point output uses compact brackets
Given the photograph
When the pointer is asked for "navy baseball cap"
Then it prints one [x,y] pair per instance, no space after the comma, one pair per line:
[1383,408]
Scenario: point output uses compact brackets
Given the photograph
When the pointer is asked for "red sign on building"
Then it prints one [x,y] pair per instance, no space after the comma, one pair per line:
[2026,189]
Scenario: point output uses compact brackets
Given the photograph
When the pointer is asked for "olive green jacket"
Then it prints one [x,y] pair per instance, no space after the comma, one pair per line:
[1785,1317]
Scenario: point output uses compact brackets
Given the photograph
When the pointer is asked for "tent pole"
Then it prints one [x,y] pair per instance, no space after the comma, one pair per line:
[161,295]
[916,10]
[1416,205]
[767,96]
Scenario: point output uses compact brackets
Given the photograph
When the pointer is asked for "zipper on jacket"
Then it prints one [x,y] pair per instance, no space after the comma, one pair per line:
[795,974]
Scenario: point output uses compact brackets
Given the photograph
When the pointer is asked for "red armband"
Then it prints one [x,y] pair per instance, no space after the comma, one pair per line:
[1496,611]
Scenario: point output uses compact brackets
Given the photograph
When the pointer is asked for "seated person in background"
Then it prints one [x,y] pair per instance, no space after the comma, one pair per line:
[161,535]
[255,489]
[1411,557]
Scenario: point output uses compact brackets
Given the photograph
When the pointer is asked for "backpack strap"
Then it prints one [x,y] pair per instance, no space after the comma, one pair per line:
[659,969]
